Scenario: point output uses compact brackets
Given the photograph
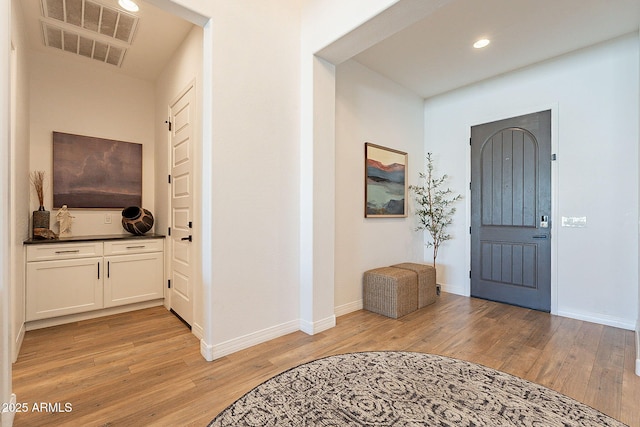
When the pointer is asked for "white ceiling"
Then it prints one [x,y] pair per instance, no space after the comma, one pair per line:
[157,36]
[429,57]
[436,55]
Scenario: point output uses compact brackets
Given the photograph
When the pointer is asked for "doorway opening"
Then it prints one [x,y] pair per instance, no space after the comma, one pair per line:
[198,20]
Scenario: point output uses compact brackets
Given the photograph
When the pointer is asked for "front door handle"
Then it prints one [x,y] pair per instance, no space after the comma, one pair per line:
[187,238]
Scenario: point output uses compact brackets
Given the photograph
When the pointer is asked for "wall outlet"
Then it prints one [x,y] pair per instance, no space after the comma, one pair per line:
[107,218]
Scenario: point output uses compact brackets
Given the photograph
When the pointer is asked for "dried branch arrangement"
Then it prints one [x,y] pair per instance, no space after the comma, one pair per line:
[37,179]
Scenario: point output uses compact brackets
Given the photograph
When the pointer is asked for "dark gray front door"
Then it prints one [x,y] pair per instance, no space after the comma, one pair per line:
[510,211]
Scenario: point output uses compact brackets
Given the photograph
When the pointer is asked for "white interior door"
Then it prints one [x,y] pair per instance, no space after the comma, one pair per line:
[182,116]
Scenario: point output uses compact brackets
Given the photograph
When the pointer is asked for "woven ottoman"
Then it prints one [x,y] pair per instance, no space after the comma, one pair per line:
[426,281]
[392,292]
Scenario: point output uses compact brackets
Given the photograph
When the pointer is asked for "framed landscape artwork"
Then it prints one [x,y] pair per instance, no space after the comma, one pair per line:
[93,172]
[385,182]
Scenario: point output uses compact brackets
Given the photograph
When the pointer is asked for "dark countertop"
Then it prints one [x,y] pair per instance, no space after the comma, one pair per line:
[94,238]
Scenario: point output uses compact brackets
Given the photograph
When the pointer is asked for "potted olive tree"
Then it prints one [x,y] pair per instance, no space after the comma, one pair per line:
[434,206]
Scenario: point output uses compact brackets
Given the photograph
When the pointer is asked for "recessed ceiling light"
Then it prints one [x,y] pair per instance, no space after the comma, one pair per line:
[481,43]
[129,5]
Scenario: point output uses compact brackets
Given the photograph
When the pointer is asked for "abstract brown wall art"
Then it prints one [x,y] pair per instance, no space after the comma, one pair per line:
[91,172]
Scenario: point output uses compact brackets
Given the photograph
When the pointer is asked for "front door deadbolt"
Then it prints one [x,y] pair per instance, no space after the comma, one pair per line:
[544,221]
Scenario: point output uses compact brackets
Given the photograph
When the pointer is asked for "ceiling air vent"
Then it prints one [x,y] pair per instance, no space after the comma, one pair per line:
[87,28]
[73,42]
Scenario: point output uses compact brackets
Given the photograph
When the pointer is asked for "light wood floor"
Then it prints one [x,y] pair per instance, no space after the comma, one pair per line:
[144,368]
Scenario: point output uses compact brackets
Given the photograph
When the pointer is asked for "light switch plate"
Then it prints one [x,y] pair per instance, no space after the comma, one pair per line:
[574,221]
[107,218]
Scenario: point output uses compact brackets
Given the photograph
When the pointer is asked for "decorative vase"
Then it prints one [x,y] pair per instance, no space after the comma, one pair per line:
[137,220]
[41,218]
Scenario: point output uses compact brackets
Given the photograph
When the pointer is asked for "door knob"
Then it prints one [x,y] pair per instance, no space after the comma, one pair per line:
[187,238]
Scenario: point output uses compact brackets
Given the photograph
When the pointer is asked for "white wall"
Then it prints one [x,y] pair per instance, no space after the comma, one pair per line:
[594,97]
[6,418]
[254,164]
[184,68]
[322,23]
[71,96]
[371,108]
[19,208]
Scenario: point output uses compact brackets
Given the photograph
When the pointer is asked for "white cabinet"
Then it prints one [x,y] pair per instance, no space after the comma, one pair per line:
[71,278]
[57,288]
[133,278]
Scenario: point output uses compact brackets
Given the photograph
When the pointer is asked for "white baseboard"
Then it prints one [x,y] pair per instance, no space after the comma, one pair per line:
[343,309]
[455,289]
[6,418]
[197,330]
[312,328]
[18,343]
[212,352]
[601,319]
[206,350]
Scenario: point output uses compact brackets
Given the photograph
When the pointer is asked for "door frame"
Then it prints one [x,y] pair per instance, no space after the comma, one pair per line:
[555,222]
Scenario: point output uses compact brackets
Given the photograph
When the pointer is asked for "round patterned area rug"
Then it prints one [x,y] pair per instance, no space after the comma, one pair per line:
[404,389]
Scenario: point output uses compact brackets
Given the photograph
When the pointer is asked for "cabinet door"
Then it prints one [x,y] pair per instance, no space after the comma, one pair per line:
[133,278]
[58,288]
